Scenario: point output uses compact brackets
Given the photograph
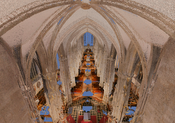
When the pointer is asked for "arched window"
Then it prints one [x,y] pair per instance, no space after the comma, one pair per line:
[35,69]
[92,40]
[58,62]
[85,41]
[88,39]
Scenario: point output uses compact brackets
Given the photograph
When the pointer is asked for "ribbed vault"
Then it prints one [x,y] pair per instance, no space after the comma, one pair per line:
[128,39]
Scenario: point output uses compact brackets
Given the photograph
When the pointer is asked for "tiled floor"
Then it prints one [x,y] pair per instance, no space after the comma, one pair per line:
[99,115]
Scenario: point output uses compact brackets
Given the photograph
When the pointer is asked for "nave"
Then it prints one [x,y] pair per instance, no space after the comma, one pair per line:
[116,57]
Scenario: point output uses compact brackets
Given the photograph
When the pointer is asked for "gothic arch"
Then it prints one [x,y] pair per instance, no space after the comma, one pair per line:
[38,38]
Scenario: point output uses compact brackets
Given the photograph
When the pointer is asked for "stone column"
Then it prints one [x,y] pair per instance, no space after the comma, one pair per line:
[99,61]
[53,99]
[110,72]
[103,68]
[106,82]
[65,78]
[72,74]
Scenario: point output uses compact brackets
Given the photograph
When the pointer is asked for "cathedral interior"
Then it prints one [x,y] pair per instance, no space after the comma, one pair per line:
[87,61]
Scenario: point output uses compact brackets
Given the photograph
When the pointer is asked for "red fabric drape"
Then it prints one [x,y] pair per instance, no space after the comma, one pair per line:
[93,119]
[80,118]
[104,119]
[70,119]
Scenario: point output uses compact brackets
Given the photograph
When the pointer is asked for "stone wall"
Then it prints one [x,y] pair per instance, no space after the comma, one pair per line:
[13,108]
[159,106]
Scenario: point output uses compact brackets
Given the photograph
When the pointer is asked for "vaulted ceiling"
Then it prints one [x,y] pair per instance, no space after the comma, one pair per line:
[137,30]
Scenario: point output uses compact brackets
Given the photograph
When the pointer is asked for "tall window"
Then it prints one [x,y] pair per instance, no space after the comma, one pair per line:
[58,62]
[85,40]
[92,40]
[88,39]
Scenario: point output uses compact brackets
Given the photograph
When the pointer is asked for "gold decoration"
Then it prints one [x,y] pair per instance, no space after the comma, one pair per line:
[52,98]
[85,6]
[128,79]
[126,109]
[124,86]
